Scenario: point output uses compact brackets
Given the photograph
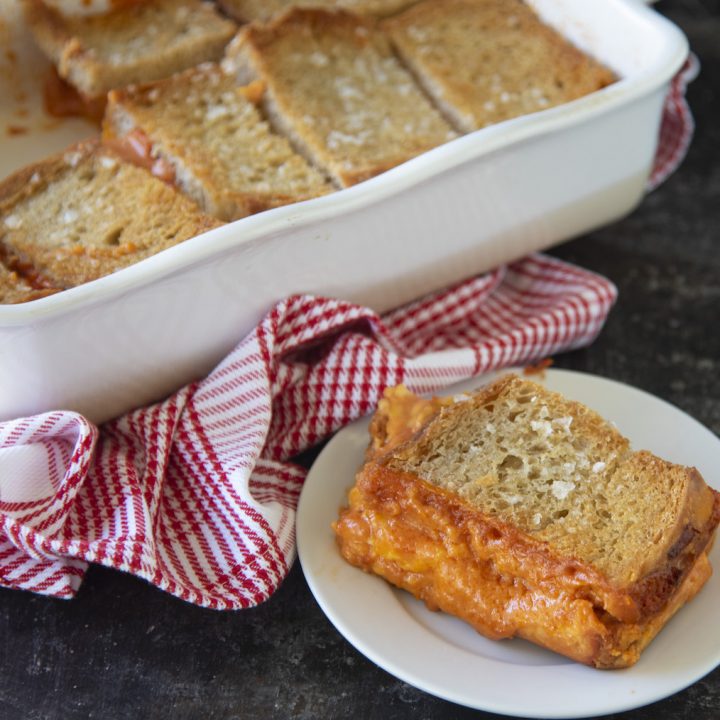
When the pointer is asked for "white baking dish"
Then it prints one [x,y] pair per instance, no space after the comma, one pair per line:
[483,199]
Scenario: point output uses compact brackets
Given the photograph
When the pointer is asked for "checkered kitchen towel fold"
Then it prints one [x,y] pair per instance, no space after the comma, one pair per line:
[196,494]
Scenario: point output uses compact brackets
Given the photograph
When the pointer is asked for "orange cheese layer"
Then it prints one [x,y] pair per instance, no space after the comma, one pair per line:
[137,148]
[62,100]
[399,416]
[427,541]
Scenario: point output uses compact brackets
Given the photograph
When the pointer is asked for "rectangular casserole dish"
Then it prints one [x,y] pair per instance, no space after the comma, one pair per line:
[484,199]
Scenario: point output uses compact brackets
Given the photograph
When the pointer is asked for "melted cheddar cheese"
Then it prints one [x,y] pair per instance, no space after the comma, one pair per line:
[502,582]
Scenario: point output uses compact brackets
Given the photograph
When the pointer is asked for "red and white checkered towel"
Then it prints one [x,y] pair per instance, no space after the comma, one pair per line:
[196,495]
[677,127]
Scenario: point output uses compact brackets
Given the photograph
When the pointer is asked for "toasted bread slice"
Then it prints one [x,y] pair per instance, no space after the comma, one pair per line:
[249,10]
[527,514]
[86,213]
[334,87]
[484,61]
[222,153]
[141,42]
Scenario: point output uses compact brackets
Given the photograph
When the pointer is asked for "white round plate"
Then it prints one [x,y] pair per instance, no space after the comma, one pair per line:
[445,657]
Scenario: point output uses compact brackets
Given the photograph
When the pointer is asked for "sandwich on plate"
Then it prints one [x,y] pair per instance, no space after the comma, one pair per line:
[526,514]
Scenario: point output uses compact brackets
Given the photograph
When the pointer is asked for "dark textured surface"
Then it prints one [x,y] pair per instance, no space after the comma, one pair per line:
[123,649]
